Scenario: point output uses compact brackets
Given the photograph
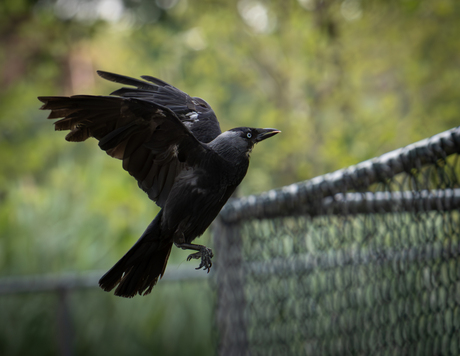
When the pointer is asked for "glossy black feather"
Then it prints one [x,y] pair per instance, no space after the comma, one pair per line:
[205,126]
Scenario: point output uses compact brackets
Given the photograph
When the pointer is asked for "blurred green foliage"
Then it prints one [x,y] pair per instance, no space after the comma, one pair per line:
[343,80]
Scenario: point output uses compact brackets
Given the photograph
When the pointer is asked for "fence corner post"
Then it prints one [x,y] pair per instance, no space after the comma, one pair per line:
[229,279]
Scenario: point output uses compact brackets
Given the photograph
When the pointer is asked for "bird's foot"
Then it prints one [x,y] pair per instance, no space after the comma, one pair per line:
[205,254]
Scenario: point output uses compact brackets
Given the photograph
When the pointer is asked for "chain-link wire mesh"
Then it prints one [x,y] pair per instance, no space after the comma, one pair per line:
[363,261]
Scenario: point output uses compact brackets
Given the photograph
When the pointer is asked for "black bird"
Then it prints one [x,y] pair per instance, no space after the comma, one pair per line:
[172,144]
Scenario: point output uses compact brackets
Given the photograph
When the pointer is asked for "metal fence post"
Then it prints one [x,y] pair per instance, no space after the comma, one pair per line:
[231,302]
[64,324]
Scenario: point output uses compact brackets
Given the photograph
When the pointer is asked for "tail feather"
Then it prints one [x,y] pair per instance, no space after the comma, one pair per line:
[142,266]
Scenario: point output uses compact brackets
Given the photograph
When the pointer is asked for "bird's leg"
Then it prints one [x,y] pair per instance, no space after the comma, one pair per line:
[203,252]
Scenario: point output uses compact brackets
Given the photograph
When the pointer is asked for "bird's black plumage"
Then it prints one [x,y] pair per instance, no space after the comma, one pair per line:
[172,144]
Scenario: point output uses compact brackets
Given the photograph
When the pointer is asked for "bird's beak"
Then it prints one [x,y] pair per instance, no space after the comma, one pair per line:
[266,133]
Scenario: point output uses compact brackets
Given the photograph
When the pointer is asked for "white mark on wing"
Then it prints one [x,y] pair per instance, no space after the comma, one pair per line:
[175,150]
[193,115]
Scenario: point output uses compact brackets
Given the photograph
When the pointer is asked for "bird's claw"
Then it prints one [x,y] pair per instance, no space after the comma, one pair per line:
[205,254]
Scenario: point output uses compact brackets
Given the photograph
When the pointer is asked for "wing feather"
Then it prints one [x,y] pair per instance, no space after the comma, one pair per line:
[205,127]
[144,134]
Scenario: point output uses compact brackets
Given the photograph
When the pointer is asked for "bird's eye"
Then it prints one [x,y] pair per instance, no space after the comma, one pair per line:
[249,135]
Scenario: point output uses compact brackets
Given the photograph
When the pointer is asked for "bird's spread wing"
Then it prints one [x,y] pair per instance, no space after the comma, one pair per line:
[194,112]
[152,141]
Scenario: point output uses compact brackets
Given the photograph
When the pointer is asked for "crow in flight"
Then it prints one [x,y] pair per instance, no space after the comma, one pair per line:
[172,144]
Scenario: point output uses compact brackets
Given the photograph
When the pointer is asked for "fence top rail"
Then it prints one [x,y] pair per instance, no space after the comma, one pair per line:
[289,199]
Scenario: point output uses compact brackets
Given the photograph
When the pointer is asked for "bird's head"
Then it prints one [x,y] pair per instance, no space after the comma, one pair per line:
[247,137]
[240,141]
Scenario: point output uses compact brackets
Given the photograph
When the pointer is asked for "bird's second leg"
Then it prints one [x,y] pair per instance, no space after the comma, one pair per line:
[204,253]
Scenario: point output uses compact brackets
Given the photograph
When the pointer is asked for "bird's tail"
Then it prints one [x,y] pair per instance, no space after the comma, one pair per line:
[141,267]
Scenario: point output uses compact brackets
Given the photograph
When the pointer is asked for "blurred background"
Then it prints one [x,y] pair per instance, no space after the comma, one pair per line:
[343,80]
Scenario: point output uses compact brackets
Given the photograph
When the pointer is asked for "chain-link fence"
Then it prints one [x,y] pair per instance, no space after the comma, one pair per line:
[363,261]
